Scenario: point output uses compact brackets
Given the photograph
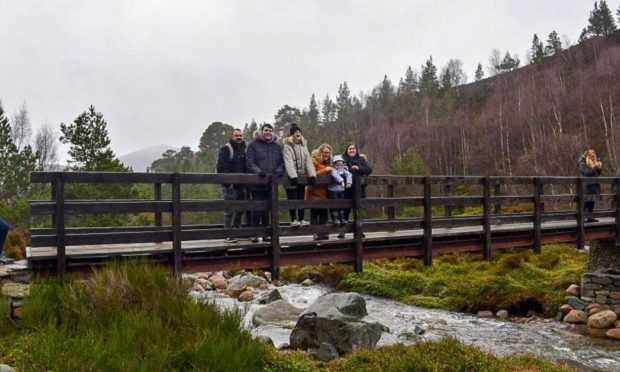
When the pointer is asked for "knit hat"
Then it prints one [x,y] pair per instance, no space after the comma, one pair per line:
[338,158]
[294,128]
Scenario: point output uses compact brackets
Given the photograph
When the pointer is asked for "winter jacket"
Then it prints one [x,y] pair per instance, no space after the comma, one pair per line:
[314,192]
[586,171]
[296,160]
[364,170]
[340,178]
[264,156]
[235,165]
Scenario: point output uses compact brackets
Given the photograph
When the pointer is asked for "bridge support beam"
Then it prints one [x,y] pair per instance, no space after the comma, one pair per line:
[617,212]
[486,218]
[357,232]
[538,208]
[275,228]
[176,224]
[428,222]
[581,230]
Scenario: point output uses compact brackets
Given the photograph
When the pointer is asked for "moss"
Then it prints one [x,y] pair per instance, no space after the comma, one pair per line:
[518,280]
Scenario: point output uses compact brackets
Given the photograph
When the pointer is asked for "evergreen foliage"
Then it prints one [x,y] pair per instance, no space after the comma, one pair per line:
[537,52]
[600,22]
[15,166]
[89,140]
[429,83]
[554,44]
[479,74]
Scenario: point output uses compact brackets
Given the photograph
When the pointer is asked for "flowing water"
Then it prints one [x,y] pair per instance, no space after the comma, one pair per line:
[556,341]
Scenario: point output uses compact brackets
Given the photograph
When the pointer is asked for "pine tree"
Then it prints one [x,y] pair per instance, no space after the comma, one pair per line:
[328,112]
[600,22]
[89,140]
[429,84]
[554,45]
[509,63]
[537,51]
[15,166]
[313,112]
[343,100]
[479,74]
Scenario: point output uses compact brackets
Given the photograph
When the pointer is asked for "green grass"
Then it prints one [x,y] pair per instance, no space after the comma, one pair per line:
[131,317]
[516,281]
[137,317]
[445,355]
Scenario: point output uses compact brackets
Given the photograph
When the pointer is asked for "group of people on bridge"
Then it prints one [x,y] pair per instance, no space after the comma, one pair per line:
[289,157]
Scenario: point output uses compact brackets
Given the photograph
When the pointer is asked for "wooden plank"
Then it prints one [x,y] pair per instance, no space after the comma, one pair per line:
[275,229]
[157,196]
[460,201]
[428,222]
[497,190]
[308,204]
[486,219]
[538,189]
[510,199]
[358,252]
[102,177]
[59,214]
[176,223]
[447,191]
[580,214]
[617,213]
[389,210]
[222,205]
[374,202]
[102,206]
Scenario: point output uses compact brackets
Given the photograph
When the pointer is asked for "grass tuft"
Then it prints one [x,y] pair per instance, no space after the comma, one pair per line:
[131,317]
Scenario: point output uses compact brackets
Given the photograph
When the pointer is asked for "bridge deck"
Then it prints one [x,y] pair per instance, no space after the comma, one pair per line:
[215,245]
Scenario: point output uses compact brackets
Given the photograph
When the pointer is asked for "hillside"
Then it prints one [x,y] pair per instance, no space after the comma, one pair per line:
[139,160]
[534,120]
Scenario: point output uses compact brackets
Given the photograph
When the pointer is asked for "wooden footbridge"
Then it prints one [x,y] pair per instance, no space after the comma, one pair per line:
[404,216]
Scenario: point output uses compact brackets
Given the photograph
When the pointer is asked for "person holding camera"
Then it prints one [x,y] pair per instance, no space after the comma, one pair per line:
[299,171]
[590,166]
[263,157]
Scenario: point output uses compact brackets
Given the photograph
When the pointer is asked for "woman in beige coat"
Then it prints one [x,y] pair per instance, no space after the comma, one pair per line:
[299,171]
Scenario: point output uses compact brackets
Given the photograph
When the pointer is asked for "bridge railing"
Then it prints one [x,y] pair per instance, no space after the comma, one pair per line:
[426,193]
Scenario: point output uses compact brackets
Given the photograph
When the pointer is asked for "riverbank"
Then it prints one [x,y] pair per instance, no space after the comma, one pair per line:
[519,281]
[137,317]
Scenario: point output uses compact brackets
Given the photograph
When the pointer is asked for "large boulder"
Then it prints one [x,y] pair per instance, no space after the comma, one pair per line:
[602,319]
[576,317]
[336,319]
[278,312]
[239,283]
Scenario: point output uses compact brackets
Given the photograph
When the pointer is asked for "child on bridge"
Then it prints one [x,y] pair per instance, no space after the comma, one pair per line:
[341,180]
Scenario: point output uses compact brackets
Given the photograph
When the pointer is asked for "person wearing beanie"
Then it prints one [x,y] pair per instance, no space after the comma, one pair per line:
[341,180]
[299,171]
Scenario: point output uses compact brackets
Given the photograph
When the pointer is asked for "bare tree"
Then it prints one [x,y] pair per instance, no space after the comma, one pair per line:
[21,128]
[46,146]
[495,60]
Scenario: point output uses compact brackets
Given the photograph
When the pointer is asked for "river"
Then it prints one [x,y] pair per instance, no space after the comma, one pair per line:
[552,340]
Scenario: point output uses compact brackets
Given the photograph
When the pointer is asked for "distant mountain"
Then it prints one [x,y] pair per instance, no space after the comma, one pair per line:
[141,159]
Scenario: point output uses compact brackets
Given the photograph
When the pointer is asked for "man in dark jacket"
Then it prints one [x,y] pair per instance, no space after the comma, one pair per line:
[4,231]
[231,159]
[263,157]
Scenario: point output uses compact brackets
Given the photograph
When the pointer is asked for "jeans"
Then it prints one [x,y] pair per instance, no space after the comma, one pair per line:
[4,231]
[233,218]
[260,218]
[296,194]
[337,214]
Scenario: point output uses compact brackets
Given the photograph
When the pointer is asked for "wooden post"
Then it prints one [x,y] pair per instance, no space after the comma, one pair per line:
[275,228]
[59,218]
[390,210]
[497,190]
[357,221]
[486,218]
[538,209]
[157,195]
[617,213]
[428,223]
[447,191]
[581,231]
[176,224]
[53,192]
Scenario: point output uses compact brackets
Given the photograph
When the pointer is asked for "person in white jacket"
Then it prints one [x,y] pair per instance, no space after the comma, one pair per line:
[341,180]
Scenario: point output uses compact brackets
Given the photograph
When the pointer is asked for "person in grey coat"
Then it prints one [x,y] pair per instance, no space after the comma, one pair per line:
[299,171]
[263,157]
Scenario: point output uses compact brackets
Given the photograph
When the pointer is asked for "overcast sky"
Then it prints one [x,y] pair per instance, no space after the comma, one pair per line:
[161,71]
